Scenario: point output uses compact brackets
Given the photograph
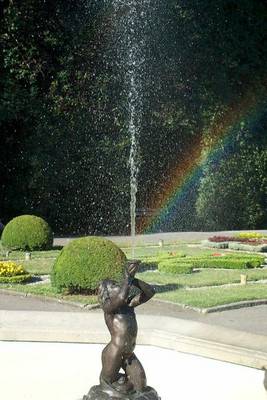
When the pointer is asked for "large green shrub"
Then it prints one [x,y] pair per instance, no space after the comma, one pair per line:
[84,262]
[27,232]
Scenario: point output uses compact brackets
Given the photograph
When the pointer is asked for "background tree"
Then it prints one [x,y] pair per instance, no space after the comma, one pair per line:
[63,112]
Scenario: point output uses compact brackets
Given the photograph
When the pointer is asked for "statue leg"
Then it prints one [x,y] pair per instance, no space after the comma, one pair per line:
[135,372]
[111,362]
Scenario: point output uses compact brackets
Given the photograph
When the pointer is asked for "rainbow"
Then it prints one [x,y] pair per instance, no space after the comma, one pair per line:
[184,175]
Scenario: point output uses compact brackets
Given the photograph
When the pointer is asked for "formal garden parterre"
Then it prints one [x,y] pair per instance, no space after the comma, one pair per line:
[186,275]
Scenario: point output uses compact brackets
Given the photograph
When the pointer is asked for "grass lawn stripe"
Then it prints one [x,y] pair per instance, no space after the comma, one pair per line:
[205,277]
[211,297]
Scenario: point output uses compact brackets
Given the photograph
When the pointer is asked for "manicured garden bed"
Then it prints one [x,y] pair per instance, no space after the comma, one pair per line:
[247,241]
[203,298]
[48,291]
[204,268]
[207,277]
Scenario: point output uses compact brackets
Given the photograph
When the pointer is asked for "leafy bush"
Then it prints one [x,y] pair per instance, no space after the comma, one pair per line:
[27,232]
[248,247]
[84,262]
[175,267]
[11,272]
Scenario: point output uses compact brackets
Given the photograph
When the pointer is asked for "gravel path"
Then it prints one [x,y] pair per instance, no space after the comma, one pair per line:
[251,319]
[168,237]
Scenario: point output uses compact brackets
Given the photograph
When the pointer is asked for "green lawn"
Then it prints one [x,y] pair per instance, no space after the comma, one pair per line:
[206,277]
[154,251]
[203,298]
[39,266]
[20,255]
[47,290]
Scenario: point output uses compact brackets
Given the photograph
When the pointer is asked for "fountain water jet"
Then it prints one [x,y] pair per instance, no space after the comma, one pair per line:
[131,47]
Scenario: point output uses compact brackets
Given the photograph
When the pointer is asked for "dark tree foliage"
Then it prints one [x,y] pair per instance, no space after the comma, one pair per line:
[63,111]
[65,156]
[208,55]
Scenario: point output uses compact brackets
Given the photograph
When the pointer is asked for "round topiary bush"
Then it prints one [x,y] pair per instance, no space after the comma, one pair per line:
[84,262]
[27,232]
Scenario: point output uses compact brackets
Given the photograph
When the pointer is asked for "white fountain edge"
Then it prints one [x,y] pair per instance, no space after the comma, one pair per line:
[185,336]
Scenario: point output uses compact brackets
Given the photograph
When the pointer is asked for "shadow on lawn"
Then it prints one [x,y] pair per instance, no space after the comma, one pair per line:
[148,266]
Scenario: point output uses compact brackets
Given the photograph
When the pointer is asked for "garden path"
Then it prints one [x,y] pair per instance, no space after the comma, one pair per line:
[251,319]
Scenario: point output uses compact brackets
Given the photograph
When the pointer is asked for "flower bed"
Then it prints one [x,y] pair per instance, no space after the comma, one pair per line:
[222,239]
[249,235]
[10,272]
[245,241]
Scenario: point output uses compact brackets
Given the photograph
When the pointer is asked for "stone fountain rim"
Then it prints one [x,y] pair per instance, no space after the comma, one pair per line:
[211,341]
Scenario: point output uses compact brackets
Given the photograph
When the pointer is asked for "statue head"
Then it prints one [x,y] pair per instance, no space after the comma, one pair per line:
[108,289]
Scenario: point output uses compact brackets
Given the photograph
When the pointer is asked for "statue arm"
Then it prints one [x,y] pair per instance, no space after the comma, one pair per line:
[147,292]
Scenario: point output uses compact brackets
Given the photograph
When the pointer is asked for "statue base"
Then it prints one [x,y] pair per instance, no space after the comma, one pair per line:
[97,393]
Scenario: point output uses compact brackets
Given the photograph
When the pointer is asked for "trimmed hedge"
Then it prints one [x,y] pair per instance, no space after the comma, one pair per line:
[27,232]
[227,263]
[16,279]
[175,268]
[246,247]
[215,245]
[240,256]
[83,263]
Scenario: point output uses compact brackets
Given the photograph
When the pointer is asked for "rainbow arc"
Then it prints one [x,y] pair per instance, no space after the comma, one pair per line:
[184,174]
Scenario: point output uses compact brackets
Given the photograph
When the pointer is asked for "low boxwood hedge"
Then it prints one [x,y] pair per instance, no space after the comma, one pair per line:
[227,263]
[16,279]
[175,268]
[215,245]
[11,272]
[246,247]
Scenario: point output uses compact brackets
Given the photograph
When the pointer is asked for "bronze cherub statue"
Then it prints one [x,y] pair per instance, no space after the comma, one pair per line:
[118,307]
